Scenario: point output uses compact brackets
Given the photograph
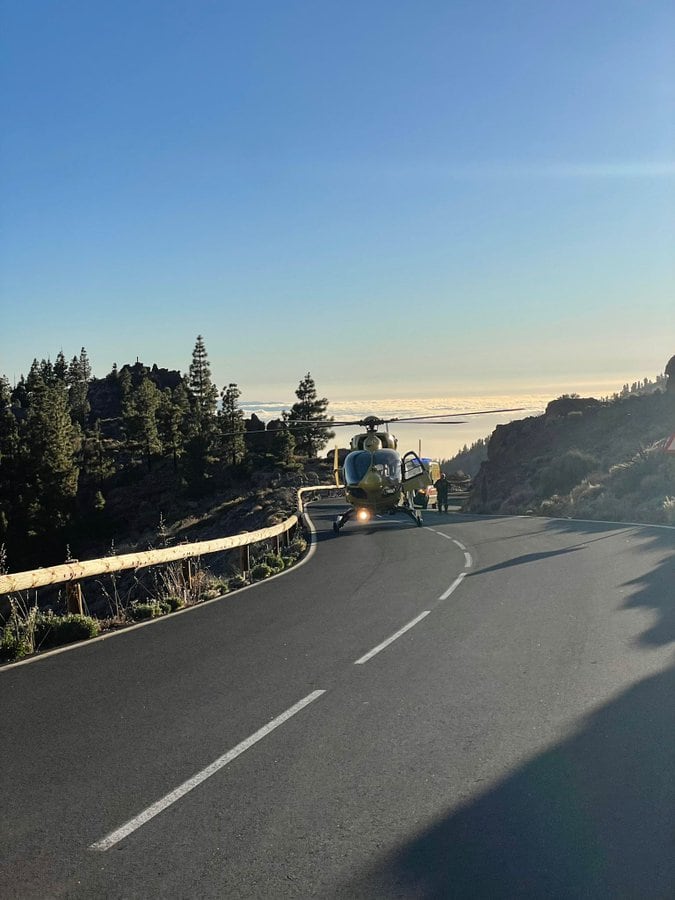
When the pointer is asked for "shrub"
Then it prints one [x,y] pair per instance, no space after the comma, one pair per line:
[237,581]
[42,631]
[260,571]
[554,506]
[298,546]
[54,631]
[627,477]
[669,510]
[174,602]
[288,557]
[565,472]
[520,500]
[220,586]
[152,609]
[214,588]
[609,508]
[275,562]
[18,635]
[12,646]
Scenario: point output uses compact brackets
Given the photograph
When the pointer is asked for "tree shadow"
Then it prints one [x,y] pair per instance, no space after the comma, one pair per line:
[546,554]
[605,533]
[654,591]
[658,595]
[576,526]
[592,816]
[524,559]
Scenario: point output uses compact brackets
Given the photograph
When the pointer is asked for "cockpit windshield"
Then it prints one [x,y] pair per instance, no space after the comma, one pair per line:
[386,463]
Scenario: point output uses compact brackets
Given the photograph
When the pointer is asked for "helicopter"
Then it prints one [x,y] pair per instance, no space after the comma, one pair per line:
[377,478]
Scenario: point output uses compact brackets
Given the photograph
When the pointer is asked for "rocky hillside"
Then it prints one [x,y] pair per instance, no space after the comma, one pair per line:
[584,458]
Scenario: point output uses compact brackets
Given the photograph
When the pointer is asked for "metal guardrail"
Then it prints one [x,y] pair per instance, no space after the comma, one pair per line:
[317,487]
[76,571]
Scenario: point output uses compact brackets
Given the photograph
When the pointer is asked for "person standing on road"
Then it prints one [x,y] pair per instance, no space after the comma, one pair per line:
[442,489]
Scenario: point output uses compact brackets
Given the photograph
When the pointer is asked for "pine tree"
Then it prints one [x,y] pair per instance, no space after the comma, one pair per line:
[20,394]
[204,392]
[47,371]
[310,437]
[52,443]
[9,458]
[172,418]
[203,401]
[35,384]
[125,383]
[79,373]
[85,366]
[139,415]
[97,463]
[283,444]
[9,432]
[60,367]
[232,429]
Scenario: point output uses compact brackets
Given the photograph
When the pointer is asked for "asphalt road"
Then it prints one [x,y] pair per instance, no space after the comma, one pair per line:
[517,740]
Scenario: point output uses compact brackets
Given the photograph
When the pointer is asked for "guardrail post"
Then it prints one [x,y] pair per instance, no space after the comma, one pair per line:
[74,598]
[245,559]
[277,544]
[188,572]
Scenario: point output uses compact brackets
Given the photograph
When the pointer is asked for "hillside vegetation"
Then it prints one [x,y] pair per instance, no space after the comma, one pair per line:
[143,458]
[584,458]
[88,463]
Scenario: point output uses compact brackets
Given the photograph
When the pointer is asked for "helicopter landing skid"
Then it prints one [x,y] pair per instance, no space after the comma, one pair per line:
[414,515]
[342,520]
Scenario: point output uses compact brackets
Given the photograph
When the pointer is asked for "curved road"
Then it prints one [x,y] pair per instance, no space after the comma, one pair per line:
[483,707]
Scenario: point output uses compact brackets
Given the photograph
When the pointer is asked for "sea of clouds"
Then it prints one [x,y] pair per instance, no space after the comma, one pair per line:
[436,441]
[403,407]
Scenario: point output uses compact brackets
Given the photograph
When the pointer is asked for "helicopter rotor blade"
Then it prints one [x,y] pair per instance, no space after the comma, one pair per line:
[370,421]
[262,431]
[440,415]
[325,424]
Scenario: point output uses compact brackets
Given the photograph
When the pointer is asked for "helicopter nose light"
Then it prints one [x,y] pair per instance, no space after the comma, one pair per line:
[363,515]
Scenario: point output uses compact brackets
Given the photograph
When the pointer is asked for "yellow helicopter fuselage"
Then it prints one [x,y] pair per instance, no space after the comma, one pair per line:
[374,477]
[373,493]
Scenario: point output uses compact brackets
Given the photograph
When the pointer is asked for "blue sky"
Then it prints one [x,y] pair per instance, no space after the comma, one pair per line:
[408,199]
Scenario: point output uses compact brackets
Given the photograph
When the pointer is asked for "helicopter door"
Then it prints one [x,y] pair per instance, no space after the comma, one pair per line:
[415,475]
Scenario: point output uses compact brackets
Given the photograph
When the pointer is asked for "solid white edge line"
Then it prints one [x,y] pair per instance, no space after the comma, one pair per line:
[133,824]
[312,540]
[390,640]
[455,584]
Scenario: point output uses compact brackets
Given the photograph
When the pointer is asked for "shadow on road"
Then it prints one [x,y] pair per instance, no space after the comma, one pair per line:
[545,554]
[593,816]
[522,560]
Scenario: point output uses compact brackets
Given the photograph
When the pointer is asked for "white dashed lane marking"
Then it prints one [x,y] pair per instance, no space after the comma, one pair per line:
[133,824]
[390,640]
